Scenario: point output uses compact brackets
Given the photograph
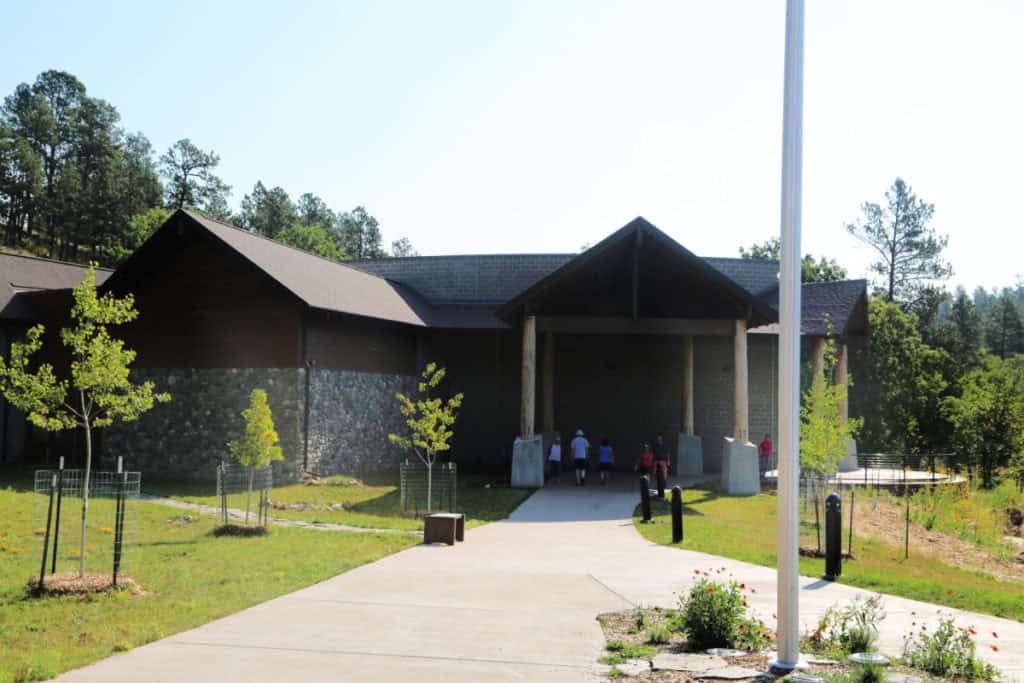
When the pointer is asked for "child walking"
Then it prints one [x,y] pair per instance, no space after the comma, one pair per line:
[580,448]
[606,456]
[555,460]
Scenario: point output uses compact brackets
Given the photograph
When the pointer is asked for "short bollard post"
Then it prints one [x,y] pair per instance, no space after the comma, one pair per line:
[677,515]
[645,497]
[833,536]
[661,480]
[56,522]
[46,538]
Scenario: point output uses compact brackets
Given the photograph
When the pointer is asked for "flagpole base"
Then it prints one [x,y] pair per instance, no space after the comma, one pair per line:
[798,665]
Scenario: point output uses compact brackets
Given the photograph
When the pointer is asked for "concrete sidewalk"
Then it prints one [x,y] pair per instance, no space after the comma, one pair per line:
[516,602]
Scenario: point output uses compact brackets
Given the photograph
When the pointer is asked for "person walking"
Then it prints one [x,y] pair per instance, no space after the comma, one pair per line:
[555,461]
[764,450]
[660,458]
[605,459]
[645,463]
[580,449]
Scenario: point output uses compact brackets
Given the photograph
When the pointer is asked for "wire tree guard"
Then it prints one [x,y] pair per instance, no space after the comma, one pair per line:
[244,494]
[413,488]
[110,530]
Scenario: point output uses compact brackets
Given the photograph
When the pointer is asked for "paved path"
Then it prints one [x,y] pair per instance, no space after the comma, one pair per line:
[515,602]
[239,515]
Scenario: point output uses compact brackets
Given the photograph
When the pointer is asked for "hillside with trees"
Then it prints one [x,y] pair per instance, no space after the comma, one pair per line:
[77,185]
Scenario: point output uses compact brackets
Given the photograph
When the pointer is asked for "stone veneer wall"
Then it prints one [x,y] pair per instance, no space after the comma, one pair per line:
[188,437]
[350,417]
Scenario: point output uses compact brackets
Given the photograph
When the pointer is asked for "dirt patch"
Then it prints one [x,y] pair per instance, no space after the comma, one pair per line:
[70,583]
[887,523]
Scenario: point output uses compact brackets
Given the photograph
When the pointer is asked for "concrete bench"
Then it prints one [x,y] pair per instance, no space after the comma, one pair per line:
[444,527]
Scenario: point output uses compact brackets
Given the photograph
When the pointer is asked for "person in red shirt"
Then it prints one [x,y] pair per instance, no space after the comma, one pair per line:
[645,463]
[764,449]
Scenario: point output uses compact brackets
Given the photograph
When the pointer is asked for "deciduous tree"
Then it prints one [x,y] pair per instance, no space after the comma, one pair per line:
[314,238]
[429,421]
[258,446]
[98,391]
[812,270]
[267,212]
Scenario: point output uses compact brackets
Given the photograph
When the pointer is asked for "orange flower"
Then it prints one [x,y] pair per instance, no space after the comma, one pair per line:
[949,592]
[741,628]
[743,586]
[995,648]
[972,631]
[711,590]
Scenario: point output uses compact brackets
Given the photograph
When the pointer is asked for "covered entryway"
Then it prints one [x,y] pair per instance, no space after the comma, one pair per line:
[612,341]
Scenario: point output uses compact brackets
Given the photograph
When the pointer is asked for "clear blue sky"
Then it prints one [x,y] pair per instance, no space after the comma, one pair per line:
[541,126]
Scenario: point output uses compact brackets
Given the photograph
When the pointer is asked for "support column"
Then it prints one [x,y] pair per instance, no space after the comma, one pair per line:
[548,383]
[841,376]
[527,405]
[688,385]
[818,360]
[741,396]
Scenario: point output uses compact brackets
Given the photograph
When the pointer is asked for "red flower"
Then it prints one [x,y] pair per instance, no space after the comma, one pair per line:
[741,628]
[972,631]
[711,590]
[743,586]
[949,592]
[995,648]
[745,604]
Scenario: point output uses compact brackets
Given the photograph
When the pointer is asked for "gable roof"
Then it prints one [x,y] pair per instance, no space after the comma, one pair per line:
[316,281]
[23,275]
[680,258]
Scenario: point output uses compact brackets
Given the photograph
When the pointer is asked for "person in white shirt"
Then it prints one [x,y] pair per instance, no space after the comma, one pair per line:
[580,448]
[555,460]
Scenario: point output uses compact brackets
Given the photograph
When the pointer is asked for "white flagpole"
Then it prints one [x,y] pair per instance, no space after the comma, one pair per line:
[789,346]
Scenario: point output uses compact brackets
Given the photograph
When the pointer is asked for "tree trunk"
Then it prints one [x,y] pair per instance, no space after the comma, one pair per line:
[85,487]
[248,497]
[430,483]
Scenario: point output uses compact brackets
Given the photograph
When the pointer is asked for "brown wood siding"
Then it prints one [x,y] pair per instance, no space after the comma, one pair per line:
[349,343]
[203,306]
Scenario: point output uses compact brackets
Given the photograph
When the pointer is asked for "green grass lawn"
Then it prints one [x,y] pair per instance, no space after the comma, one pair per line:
[744,529]
[374,501]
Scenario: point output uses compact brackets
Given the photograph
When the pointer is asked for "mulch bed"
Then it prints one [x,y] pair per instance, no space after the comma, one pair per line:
[70,583]
[621,626]
[240,530]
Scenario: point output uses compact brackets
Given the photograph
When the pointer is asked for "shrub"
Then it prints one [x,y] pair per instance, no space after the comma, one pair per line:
[710,613]
[853,628]
[752,635]
[948,652]
[658,634]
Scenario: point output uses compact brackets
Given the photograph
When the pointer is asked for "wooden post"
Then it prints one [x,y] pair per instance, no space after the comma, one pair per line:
[841,376]
[818,361]
[688,385]
[548,386]
[741,422]
[528,393]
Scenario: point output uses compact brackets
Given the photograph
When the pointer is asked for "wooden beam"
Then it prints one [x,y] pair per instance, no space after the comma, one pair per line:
[818,359]
[688,385]
[548,383]
[528,393]
[741,395]
[670,326]
[841,376]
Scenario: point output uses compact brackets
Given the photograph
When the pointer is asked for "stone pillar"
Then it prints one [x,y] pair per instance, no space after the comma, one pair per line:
[741,396]
[548,384]
[528,388]
[687,385]
[818,359]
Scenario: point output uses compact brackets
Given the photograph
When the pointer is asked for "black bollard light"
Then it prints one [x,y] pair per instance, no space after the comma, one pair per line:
[677,515]
[833,536]
[56,522]
[645,497]
[46,538]
[661,481]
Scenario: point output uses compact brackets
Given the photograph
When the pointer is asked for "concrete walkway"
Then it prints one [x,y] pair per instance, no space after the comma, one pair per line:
[516,602]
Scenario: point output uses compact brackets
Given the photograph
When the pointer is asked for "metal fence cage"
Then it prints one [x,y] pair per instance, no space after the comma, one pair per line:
[413,488]
[234,482]
[111,528]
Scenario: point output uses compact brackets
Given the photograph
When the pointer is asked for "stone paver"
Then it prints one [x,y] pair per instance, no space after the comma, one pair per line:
[516,602]
[731,673]
[687,662]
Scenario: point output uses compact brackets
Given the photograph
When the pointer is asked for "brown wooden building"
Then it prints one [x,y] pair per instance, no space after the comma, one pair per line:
[633,337]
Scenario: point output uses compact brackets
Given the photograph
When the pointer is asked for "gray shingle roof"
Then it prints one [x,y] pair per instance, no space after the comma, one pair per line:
[26,274]
[826,307]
